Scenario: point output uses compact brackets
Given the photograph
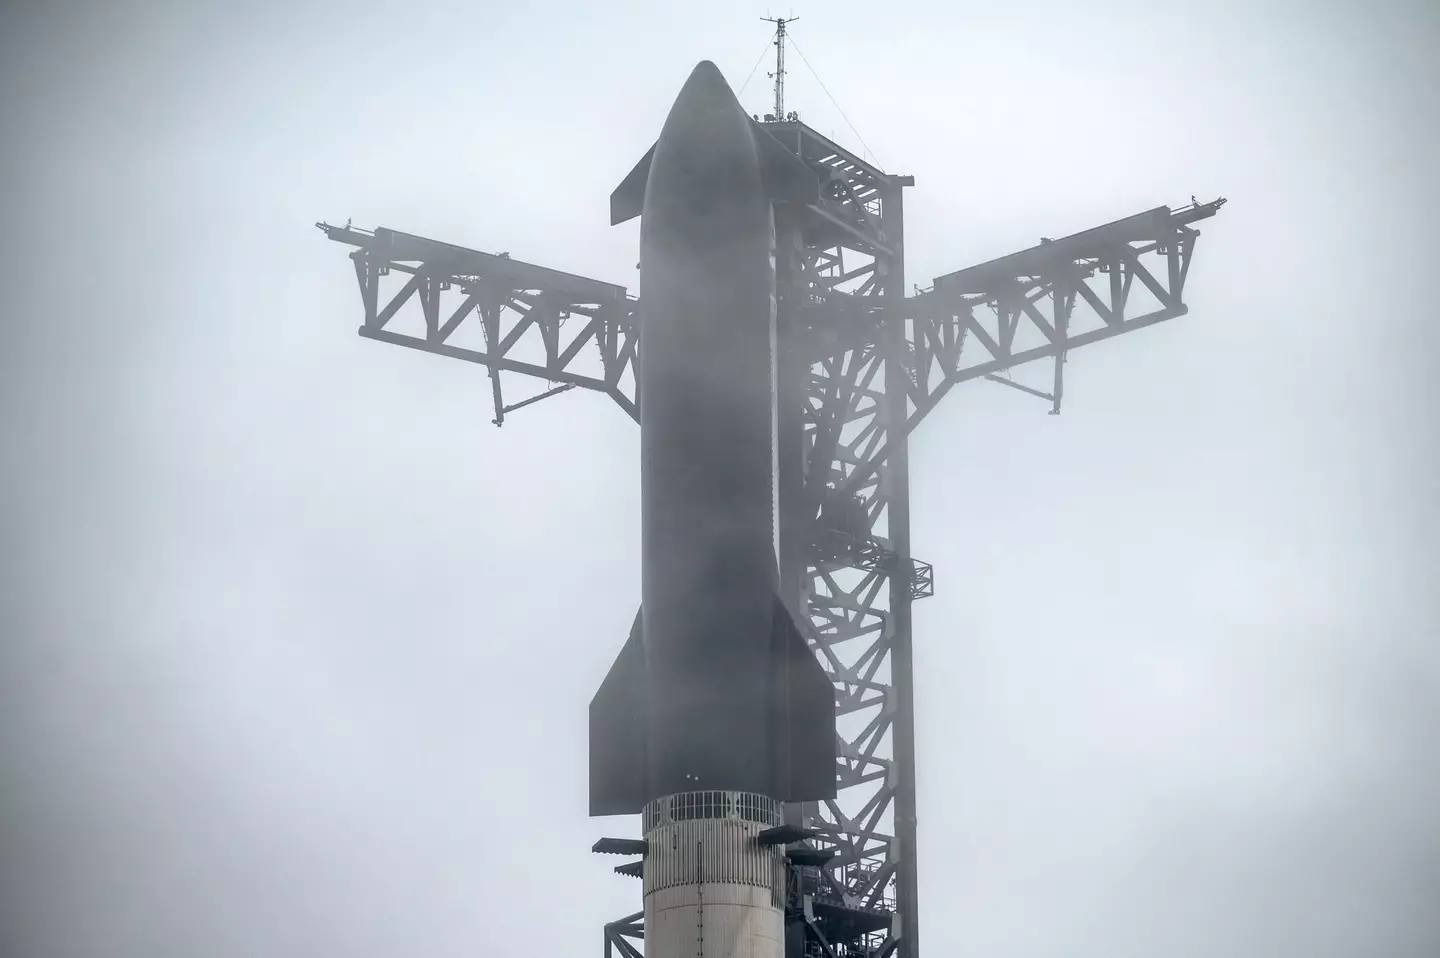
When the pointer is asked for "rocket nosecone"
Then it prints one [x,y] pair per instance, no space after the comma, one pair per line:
[716,687]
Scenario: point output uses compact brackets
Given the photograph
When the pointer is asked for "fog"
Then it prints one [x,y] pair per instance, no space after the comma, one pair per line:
[297,647]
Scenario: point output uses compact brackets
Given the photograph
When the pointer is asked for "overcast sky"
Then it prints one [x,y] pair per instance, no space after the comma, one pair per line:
[298,646]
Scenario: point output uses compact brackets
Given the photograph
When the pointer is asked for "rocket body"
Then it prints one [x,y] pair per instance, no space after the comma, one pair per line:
[716,711]
[711,889]
[707,445]
[716,688]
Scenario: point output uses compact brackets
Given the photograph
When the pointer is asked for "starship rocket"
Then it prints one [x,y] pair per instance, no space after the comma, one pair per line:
[716,711]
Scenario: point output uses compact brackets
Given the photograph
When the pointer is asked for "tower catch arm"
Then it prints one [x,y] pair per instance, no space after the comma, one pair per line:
[501,313]
[1039,303]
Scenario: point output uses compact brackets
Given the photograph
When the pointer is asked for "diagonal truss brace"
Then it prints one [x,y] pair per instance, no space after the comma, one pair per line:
[969,324]
[521,312]
[622,935]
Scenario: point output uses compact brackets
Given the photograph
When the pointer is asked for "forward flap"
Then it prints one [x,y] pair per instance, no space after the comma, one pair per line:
[787,178]
[629,196]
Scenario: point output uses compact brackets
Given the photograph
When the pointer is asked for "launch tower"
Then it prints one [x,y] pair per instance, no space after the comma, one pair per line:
[859,365]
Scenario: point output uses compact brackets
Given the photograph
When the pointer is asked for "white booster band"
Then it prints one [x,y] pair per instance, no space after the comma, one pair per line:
[710,890]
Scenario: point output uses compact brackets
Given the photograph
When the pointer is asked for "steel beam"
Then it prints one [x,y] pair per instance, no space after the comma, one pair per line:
[971,324]
[906,928]
[860,577]
[539,323]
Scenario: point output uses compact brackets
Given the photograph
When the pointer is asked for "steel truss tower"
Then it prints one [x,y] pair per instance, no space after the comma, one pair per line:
[862,365]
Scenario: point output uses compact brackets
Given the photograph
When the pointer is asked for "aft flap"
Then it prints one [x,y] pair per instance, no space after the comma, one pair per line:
[629,196]
[617,733]
[807,709]
[787,178]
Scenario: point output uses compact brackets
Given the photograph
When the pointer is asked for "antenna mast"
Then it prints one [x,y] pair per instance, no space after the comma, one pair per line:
[779,73]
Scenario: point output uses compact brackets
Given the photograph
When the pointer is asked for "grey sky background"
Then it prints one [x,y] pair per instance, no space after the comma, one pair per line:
[298,647]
